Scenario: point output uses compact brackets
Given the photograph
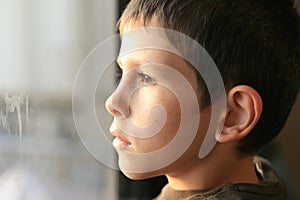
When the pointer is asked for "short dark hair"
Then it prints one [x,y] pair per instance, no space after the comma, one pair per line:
[253,42]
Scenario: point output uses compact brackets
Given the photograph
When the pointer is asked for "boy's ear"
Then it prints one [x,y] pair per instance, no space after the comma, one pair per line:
[244,108]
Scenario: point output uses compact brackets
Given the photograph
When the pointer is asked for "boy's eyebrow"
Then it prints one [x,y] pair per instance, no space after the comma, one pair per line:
[133,61]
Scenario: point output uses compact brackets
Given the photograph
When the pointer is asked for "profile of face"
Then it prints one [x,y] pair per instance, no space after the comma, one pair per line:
[132,106]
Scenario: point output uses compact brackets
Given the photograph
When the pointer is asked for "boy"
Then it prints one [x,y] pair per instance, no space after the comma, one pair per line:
[255,45]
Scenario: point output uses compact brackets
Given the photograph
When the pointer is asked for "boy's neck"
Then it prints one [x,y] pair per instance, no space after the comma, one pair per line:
[213,172]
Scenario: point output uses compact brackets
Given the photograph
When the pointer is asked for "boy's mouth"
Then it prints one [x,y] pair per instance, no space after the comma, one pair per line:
[120,143]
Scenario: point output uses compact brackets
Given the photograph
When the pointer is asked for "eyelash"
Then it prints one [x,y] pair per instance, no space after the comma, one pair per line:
[118,74]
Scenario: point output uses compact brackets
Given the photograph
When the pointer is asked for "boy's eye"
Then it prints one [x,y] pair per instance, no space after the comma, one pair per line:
[146,78]
[118,74]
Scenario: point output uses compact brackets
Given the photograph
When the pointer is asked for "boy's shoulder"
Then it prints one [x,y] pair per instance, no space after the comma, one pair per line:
[270,186]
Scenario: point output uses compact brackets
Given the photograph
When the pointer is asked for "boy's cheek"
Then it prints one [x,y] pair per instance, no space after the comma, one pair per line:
[140,109]
[143,100]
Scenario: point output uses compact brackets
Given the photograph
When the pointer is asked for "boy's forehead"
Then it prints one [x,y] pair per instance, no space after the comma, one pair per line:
[137,37]
[150,57]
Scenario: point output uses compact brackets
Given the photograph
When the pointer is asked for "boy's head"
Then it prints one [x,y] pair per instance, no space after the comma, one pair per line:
[254,43]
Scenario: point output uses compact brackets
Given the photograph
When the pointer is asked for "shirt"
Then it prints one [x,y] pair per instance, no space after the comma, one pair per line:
[270,186]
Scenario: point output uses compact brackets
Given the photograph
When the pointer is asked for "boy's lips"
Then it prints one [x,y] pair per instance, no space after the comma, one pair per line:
[119,141]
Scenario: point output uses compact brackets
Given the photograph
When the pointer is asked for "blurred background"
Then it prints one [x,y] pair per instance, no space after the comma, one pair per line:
[42,45]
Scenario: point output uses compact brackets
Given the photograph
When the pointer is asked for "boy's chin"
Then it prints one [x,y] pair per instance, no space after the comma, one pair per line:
[140,176]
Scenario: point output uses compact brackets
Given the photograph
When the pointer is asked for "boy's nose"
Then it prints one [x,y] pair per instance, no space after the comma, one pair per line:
[117,106]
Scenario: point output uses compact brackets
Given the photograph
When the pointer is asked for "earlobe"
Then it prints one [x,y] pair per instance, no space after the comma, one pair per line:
[244,108]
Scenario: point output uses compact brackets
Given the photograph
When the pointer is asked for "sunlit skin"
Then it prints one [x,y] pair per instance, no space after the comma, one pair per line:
[224,163]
